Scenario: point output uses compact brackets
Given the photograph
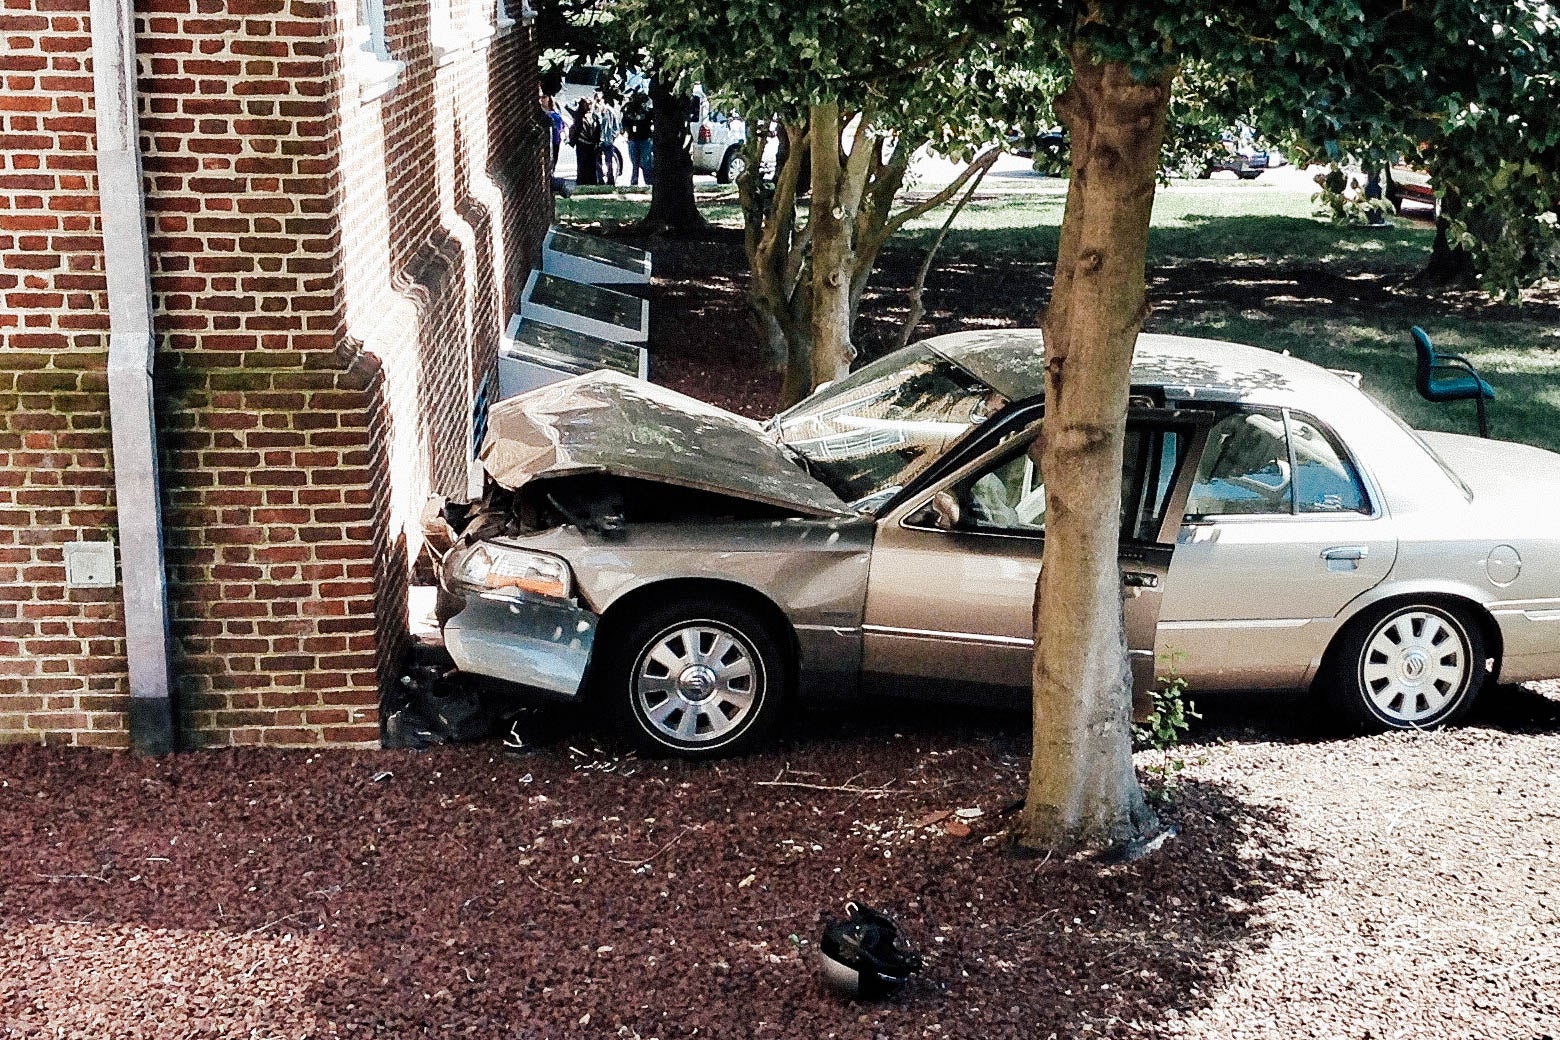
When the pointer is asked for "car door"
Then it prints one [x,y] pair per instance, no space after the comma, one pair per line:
[950,599]
[1281,532]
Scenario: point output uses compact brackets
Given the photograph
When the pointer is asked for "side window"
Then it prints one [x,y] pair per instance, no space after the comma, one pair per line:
[1325,481]
[1008,496]
[1244,468]
[1149,467]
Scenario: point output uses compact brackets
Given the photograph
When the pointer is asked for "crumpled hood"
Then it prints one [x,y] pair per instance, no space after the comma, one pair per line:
[606,422]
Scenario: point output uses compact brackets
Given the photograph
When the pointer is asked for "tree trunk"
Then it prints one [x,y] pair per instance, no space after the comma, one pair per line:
[1083,789]
[672,208]
[1448,265]
[776,251]
[833,253]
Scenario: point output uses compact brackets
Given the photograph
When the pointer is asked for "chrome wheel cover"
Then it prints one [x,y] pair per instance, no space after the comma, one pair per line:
[697,684]
[1414,665]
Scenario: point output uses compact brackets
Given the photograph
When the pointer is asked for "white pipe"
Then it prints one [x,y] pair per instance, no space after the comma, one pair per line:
[132,349]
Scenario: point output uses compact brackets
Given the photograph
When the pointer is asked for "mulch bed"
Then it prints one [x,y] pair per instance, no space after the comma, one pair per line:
[1404,885]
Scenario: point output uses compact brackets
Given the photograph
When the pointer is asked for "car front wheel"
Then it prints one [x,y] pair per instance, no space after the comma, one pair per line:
[697,680]
[1409,666]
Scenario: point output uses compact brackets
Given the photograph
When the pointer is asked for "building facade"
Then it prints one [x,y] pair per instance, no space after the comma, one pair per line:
[342,200]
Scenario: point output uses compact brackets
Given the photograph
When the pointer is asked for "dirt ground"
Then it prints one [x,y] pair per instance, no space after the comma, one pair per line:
[1395,886]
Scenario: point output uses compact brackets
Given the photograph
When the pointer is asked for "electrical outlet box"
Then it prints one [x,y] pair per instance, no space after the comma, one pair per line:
[89,565]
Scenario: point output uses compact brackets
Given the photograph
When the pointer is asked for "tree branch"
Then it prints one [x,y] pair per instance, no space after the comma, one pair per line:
[916,311]
[977,168]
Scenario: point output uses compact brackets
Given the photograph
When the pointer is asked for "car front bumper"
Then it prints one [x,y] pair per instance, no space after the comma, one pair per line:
[543,645]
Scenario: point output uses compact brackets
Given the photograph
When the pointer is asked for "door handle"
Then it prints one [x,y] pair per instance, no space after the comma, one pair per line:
[1139,580]
[1346,552]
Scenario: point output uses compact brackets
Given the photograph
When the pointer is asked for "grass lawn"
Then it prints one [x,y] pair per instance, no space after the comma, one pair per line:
[1243,261]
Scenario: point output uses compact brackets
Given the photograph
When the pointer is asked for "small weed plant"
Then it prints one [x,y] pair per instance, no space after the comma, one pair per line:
[1169,717]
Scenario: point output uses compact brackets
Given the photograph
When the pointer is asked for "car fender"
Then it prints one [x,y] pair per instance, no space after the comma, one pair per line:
[820,599]
[1417,588]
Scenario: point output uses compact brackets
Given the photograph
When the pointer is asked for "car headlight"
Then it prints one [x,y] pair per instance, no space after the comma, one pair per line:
[502,571]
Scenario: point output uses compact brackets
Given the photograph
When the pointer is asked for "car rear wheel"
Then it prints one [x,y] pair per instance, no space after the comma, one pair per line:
[1408,666]
[697,679]
[732,166]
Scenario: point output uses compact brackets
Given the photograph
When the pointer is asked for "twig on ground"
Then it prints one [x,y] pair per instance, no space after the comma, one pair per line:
[273,924]
[73,877]
[544,888]
[847,788]
[637,863]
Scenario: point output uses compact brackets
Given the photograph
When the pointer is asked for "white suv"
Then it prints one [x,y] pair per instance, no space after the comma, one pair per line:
[716,139]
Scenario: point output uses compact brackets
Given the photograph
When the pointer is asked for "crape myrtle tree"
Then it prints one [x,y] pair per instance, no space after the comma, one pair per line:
[1326,69]
[849,90]
[1492,146]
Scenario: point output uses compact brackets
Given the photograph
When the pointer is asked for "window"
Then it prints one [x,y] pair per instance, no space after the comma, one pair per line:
[1325,481]
[1009,495]
[879,425]
[1244,468]
[1273,463]
[375,69]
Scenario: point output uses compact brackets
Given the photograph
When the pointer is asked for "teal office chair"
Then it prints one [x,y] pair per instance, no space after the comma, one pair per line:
[1449,377]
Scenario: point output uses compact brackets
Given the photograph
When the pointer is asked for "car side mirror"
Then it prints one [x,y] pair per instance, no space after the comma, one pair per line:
[946,510]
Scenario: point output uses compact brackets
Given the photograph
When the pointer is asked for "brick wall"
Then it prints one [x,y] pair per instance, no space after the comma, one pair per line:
[329,275]
[61,651]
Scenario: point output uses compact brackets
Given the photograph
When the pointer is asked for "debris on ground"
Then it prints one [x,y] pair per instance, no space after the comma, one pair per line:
[864,956]
[1398,885]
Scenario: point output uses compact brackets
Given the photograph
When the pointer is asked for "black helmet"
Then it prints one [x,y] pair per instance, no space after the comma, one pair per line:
[862,956]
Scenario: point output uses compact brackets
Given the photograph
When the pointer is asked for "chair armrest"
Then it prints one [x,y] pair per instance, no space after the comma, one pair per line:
[1456,359]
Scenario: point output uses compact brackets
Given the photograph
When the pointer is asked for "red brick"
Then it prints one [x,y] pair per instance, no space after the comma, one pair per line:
[249,180]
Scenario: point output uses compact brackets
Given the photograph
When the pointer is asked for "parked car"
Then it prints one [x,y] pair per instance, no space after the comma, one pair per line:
[716,139]
[692,571]
[1248,166]
[582,81]
[1410,182]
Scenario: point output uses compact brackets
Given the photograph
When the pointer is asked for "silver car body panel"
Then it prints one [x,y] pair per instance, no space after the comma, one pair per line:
[541,644]
[814,570]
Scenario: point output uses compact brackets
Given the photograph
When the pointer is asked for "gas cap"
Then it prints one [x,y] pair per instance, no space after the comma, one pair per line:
[1503,564]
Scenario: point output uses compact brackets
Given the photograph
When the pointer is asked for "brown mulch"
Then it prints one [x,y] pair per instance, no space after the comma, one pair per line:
[1404,885]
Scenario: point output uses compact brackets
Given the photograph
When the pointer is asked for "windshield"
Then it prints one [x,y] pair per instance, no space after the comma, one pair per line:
[872,430]
[1446,468]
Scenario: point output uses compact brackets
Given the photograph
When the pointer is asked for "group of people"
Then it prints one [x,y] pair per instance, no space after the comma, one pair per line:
[594,127]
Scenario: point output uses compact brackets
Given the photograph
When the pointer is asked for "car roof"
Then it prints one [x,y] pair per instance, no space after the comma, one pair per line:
[1012,362]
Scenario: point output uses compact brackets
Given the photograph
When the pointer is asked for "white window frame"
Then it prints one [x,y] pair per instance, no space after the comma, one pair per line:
[377,71]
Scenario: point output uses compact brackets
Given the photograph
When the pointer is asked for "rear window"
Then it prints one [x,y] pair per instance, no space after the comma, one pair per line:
[1446,468]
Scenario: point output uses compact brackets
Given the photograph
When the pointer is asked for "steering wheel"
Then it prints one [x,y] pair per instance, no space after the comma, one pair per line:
[1271,491]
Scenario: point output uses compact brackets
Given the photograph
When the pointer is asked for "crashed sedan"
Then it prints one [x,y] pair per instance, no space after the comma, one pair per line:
[689,571]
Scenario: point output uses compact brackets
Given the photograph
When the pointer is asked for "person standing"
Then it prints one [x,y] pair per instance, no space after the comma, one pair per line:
[610,128]
[639,126]
[555,122]
[585,136]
